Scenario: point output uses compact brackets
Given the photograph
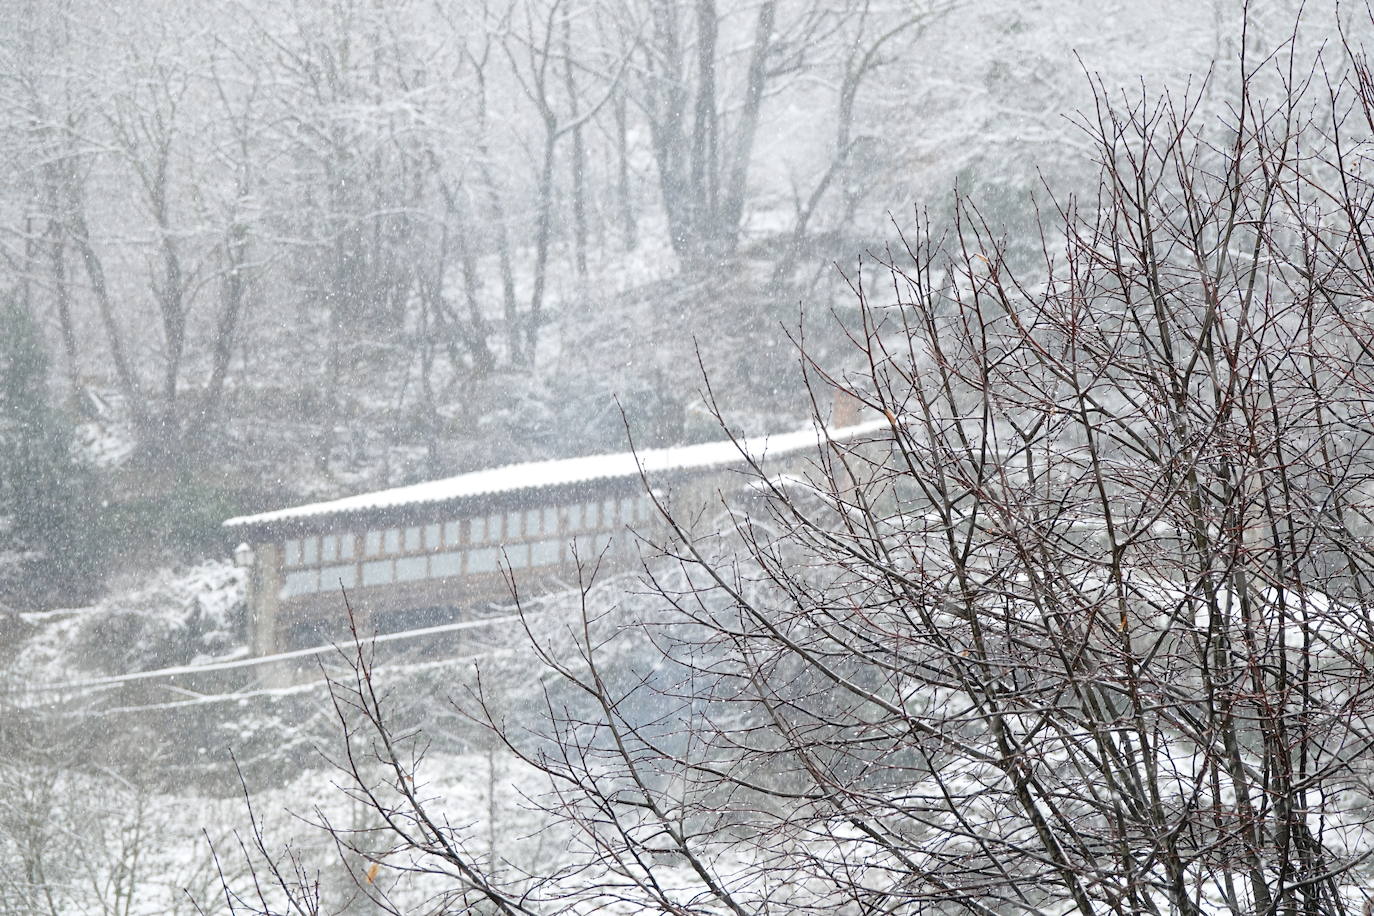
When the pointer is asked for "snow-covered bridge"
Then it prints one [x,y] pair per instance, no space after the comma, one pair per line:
[438,552]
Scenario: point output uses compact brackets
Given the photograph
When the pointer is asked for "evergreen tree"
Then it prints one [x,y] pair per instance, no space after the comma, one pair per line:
[38,478]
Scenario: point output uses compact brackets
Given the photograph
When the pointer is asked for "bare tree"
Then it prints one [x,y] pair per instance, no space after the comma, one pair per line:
[873,38]
[142,169]
[81,835]
[543,37]
[1083,626]
[702,146]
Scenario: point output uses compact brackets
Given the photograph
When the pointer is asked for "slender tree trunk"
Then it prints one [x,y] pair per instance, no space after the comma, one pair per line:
[579,159]
[95,273]
[629,230]
[543,232]
[172,303]
[704,169]
[337,295]
[233,292]
[232,305]
[26,273]
[55,173]
[62,292]
[454,231]
[748,126]
[510,309]
[428,303]
[496,219]
[668,126]
[478,331]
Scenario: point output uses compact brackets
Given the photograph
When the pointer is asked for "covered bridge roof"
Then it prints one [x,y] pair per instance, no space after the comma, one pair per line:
[535,475]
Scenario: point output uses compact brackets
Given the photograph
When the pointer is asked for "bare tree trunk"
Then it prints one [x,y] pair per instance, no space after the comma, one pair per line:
[667,108]
[62,293]
[425,344]
[233,298]
[56,173]
[579,156]
[496,220]
[704,174]
[737,183]
[172,303]
[543,231]
[629,230]
[234,281]
[861,60]
[703,168]
[95,273]
[482,359]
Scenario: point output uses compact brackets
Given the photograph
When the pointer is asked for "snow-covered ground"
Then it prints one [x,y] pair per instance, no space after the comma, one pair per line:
[185,616]
[146,789]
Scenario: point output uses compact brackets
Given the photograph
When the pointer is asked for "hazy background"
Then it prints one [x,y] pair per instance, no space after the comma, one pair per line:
[254,253]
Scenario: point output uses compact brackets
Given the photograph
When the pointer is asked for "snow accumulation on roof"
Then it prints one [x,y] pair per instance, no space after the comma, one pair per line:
[536,475]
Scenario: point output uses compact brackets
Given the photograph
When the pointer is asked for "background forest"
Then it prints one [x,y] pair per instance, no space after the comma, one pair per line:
[256,252]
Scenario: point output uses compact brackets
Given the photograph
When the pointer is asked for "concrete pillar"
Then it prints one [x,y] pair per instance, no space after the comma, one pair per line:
[264,599]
